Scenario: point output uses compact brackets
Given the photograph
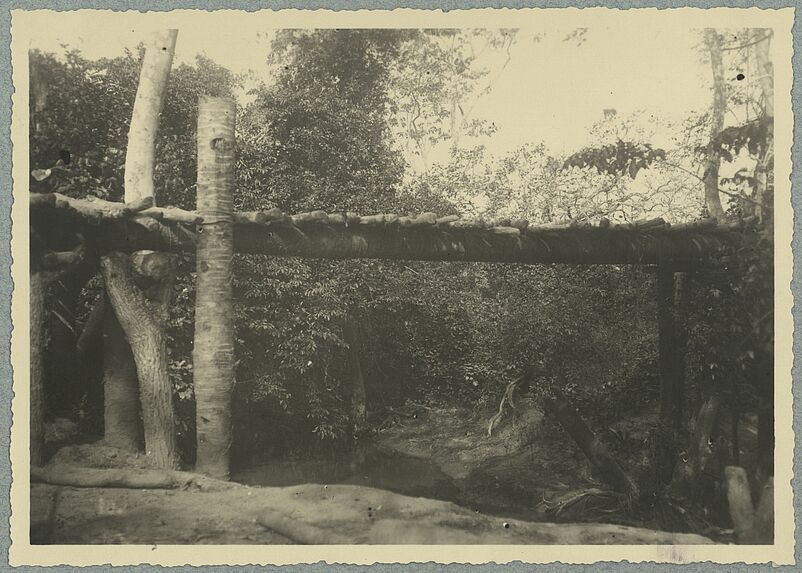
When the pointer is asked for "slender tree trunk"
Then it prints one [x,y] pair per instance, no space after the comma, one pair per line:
[38,289]
[120,388]
[358,397]
[143,320]
[711,178]
[213,354]
[140,154]
[765,68]
[763,170]
[124,368]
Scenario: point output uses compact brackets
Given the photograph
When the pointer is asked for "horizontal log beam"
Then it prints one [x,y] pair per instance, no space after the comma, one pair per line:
[424,237]
[573,246]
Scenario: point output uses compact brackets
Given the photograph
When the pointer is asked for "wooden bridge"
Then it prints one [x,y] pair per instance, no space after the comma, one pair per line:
[109,226]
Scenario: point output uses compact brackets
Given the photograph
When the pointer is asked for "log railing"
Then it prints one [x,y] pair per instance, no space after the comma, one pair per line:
[117,226]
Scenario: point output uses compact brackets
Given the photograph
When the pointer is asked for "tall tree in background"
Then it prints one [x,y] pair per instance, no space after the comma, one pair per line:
[319,135]
[438,79]
[765,166]
[719,108]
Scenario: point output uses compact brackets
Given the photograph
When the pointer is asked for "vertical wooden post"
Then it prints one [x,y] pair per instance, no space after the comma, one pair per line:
[213,353]
[671,375]
[682,290]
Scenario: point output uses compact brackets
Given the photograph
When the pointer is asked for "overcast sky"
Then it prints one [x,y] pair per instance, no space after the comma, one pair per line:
[551,91]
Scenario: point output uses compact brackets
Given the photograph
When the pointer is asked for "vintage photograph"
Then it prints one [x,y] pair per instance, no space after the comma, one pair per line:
[495,282]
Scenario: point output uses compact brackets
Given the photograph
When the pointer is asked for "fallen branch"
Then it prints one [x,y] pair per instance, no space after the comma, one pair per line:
[506,397]
[590,445]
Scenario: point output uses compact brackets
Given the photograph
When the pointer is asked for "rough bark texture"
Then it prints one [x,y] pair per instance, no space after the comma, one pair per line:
[359,410]
[590,445]
[122,426]
[713,43]
[142,319]
[38,289]
[213,354]
[139,158]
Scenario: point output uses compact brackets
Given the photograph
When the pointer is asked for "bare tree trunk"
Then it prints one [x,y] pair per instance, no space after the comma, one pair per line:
[712,197]
[765,67]
[142,317]
[763,170]
[358,398]
[122,367]
[122,427]
[213,354]
[139,157]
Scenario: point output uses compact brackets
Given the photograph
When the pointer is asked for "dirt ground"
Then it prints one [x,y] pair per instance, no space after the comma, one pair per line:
[308,514]
[513,472]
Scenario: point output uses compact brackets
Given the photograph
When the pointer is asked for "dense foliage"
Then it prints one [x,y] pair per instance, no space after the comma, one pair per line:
[331,132]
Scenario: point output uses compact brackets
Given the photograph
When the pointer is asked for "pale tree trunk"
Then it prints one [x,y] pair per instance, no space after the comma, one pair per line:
[139,157]
[713,160]
[765,68]
[213,354]
[142,317]
[120,373]
[763,179]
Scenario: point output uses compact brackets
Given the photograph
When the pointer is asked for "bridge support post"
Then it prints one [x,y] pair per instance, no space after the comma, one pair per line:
[671,294]
[213,353]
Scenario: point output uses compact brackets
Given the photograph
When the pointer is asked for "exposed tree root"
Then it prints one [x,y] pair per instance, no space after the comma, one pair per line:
[75,476]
